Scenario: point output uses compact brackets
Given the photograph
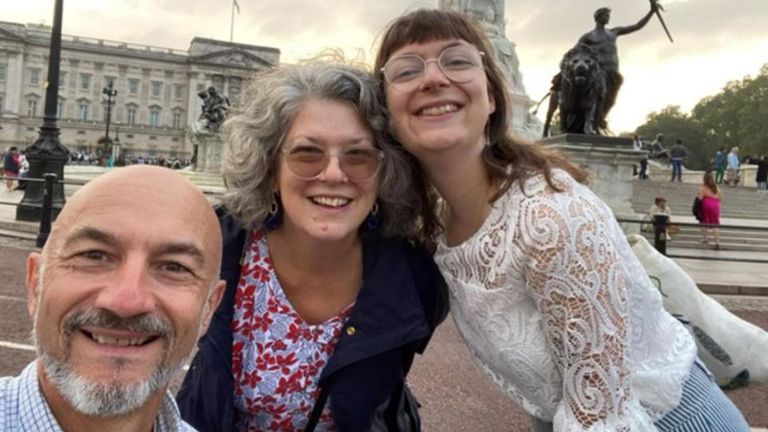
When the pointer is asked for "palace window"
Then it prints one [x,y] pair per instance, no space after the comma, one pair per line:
[82,111]
[2,72]
[154,117]
[133,87]
[131,116]
[157,87]
[34,76]
[32,108]
[177,119]
[85,81]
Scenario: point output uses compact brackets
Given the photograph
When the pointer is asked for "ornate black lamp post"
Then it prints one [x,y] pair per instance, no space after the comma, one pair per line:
[108,93]
[47,154]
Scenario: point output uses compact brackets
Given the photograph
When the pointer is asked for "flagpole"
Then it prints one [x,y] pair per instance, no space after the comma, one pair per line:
[232,23]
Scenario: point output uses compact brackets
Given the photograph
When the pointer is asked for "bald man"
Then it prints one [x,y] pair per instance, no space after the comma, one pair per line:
[119,295]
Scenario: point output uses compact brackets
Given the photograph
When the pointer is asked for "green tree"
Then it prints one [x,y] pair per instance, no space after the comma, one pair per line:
[738,115]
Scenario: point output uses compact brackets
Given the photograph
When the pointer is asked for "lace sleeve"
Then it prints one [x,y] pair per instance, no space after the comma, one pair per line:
[580,287]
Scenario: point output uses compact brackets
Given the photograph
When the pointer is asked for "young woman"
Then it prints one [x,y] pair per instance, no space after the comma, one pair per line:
[544,287]
[709,194]
[327,300]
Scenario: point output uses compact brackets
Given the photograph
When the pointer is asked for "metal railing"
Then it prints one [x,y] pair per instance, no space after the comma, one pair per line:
[661,223]
[47,208]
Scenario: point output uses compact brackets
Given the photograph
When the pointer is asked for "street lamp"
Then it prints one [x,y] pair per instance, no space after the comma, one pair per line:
[47,154]
[108,93]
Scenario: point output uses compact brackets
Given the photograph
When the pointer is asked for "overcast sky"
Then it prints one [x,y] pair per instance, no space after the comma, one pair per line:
[715,40]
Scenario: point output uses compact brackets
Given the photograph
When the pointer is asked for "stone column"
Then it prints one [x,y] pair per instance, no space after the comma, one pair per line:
[14,84]
[193,105]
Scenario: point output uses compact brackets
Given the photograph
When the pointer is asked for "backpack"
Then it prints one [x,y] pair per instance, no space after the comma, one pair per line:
[696,209]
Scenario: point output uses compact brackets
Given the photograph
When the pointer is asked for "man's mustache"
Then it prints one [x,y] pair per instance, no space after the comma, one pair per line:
[153,324]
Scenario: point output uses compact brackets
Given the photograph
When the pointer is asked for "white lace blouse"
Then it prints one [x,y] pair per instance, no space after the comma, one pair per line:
[557,310]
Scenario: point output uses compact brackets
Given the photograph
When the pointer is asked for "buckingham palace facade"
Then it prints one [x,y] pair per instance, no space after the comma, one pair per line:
[157,88]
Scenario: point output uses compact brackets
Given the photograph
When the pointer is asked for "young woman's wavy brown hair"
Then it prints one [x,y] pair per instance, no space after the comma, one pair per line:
[507,158]
[709,182]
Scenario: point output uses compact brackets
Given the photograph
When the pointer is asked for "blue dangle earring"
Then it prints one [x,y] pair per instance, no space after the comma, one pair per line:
[272,221]
[372,221]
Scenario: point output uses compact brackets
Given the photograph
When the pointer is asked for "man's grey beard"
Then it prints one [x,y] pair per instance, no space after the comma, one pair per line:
[111,399]
[104,400]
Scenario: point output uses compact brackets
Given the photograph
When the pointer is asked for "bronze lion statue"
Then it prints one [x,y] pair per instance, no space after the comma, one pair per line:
[579,90]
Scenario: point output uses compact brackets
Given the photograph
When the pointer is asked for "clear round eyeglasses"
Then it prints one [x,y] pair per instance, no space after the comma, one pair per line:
[459,63]
[359,163]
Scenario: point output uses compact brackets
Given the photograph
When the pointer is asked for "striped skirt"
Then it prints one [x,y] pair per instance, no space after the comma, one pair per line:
[703,408]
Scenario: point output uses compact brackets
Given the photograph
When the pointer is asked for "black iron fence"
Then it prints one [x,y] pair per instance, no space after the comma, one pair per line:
[49,211]
[47,214]
[661,224]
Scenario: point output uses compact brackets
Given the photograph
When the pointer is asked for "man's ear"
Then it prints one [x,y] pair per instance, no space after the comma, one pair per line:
[212,304]
[34,264]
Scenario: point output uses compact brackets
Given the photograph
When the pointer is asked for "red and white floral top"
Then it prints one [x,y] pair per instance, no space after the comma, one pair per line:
[277,357]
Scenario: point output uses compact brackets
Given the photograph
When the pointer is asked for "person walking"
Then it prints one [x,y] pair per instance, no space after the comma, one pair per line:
[732,167]
[710,196]
[11,168]
[676,158]
[720,162]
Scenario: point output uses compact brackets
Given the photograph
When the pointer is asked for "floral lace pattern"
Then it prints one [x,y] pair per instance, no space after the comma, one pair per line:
[277,358]
[560,314]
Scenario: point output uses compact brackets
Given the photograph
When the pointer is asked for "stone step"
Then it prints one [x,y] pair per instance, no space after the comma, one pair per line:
[742,244]
[692,240]
[737,202]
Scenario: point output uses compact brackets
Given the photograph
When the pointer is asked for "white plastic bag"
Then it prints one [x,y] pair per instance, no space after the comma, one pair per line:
[727,344]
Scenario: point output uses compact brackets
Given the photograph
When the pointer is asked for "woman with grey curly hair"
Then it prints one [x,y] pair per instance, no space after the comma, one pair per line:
[328,295]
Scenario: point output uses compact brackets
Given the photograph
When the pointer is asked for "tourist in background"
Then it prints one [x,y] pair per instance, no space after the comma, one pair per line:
[761,177]
[676,158]
[23,171]
[720,163]
[638,144]
[660,207]
[545,290]
[11,168]
[732,167]
[327,298]
[710,196]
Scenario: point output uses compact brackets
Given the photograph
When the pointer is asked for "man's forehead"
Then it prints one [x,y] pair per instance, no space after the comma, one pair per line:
[110,217]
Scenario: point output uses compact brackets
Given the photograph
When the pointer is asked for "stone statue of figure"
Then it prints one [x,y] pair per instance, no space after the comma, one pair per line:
[603,41]
[490,15]
[215,109]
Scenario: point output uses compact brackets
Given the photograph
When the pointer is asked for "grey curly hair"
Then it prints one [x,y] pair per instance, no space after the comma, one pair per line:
[273,99]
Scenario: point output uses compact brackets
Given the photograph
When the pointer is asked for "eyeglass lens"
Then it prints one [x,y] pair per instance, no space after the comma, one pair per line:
[458,63]
[358,163]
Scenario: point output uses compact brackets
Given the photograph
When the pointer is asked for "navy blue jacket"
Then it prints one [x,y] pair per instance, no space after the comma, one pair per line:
[402,300]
